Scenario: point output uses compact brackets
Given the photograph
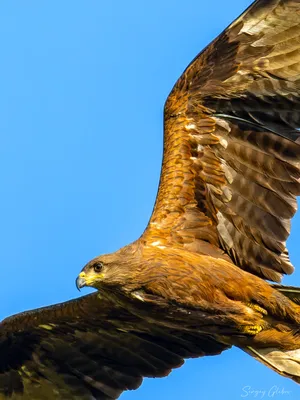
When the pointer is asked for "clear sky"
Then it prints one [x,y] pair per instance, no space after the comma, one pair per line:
[82,88]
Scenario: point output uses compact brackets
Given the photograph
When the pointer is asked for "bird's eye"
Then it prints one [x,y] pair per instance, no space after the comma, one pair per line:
[98,266]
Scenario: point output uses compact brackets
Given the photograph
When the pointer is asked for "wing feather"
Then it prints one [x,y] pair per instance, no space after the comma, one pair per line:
[231,169]
[88,348]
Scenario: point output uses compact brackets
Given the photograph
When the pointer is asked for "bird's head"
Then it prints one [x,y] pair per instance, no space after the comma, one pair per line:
[92,274]
[116,269]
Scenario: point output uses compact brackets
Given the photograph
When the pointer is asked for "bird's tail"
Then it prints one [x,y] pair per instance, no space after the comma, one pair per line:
[283,354]
[292,292]
[284,362]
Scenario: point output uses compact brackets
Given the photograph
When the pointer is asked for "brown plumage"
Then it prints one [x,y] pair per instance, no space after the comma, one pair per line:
[195,282]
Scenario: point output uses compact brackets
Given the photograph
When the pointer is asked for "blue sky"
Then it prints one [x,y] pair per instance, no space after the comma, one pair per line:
[82,91]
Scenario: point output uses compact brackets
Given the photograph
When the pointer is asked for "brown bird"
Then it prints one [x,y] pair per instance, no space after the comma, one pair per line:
[195,282]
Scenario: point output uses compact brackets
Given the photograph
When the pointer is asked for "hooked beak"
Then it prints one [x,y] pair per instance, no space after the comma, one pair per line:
[80,281]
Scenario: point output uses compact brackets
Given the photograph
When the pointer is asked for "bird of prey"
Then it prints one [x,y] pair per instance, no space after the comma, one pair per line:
[205,274]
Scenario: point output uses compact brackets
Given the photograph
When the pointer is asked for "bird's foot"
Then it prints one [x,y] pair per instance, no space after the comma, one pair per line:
[251,329]
[256,307]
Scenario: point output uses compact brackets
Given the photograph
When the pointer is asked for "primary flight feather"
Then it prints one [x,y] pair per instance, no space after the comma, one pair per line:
[194,283]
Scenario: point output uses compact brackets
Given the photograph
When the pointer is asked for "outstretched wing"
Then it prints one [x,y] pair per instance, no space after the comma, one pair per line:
[88,348]
[230,173]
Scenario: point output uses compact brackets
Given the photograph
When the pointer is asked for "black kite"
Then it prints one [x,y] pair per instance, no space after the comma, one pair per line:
[194,283]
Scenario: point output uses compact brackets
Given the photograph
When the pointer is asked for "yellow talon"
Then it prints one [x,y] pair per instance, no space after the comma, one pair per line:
[251,329]
[257,308]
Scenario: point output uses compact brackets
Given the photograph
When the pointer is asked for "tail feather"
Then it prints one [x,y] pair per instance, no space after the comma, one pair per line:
[292,292]
[283,353]
[284,362]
